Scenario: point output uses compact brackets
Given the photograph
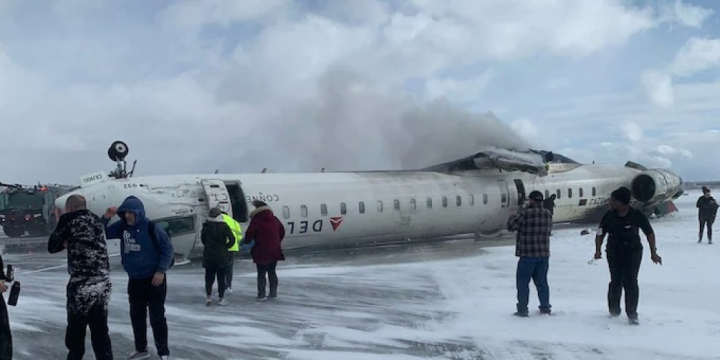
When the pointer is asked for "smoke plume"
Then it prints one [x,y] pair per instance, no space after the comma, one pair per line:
[351,126]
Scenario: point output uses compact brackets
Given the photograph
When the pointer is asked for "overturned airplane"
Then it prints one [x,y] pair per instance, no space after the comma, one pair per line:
[473,195]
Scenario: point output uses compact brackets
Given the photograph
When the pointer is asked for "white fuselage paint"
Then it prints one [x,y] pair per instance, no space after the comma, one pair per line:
[298,200]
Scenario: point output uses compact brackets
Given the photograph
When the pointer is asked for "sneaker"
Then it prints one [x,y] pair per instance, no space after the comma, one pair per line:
[259,298]
[208,302]
[165,357]
[222,302]
[546,311]
[137,355]
[521,313]
[228,290]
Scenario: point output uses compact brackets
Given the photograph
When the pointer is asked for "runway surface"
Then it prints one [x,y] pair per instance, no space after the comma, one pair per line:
[444,300]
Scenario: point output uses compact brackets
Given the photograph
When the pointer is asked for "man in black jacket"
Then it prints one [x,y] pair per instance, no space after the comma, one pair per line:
[217,239]
[88,292]
[707,210]
[624,251]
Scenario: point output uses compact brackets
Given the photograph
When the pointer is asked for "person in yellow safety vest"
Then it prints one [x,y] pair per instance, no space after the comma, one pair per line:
[237,232]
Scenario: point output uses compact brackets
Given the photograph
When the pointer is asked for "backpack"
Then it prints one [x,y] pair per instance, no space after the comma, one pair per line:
[151,230]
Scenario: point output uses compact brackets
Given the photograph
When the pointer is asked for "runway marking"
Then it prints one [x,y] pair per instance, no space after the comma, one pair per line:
[54,267]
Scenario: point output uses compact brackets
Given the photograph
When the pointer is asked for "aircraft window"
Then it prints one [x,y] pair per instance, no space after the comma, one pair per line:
[303,211]
[444,201]
[397,205]
[343,209]
[558,193]
[361,207]
[472,200]
[379,206]
[286,212]
[412,203]
[429,203]
[580,192]
[458,200]
[485,199]
[593,191]
[323,210]
[177,225]
[569,193]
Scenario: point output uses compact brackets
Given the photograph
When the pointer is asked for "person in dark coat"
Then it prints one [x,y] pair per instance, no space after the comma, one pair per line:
[268,232]
[624,251]
[707,211]
[88,292]
[6,341]
[549,204]
[217,238]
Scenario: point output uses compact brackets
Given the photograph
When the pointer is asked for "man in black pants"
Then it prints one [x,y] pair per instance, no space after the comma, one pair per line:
[707,210]
[147,253]
[624,251]
[88,292]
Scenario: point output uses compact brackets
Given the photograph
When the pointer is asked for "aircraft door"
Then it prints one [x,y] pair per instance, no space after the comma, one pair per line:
[217,195]
[504,194]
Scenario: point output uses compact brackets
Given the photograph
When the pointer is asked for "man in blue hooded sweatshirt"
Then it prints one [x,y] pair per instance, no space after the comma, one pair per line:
[145,258]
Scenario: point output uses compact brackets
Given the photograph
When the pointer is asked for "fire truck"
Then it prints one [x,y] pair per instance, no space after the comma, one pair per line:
[29,209]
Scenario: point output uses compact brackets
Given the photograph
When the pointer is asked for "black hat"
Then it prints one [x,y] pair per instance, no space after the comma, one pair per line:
[535,195]
[622,195]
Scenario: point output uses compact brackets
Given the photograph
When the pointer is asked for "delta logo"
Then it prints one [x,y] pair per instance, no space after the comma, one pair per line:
[335,222]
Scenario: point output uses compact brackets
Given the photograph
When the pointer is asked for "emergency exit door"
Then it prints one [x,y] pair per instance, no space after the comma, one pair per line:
[217,195]
[504,193]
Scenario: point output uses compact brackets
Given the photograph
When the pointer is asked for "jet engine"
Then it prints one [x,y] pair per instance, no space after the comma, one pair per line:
[653,186]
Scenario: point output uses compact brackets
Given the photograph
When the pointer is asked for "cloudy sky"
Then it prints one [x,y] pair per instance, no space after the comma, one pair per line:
[194,86]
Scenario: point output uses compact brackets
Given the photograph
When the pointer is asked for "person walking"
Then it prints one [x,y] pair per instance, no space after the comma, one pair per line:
[217,238]
[267,232]
[707,211]
[533,225]
[237,233]
[624,251]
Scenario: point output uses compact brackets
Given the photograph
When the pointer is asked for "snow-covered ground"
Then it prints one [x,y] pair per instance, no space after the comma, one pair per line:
[452,301]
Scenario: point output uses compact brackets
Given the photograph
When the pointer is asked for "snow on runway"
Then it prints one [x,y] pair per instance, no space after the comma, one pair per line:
[447,302]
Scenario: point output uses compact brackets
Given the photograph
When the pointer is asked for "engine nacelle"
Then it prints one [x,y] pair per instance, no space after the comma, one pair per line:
[655,186]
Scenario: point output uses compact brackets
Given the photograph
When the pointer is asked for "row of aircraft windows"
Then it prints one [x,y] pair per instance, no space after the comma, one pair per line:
[413,204]
[558,193]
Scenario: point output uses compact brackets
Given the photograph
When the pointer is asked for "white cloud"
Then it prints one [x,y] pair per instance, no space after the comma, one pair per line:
[696,55]
[686,14]
[198,85]
[632,132]
[658,87]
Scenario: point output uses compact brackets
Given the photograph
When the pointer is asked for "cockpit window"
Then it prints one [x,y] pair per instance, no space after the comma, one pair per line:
[177,225]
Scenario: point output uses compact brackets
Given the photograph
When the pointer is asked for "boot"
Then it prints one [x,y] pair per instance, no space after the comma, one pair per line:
[261,288]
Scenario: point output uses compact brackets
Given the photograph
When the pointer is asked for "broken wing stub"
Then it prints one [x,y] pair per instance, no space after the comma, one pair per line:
[533,162]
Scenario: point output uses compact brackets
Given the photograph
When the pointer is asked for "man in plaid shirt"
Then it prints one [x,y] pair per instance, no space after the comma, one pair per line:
[533,225]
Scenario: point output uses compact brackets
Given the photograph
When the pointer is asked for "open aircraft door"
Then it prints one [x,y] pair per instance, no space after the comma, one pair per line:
[504,193]
[217,195]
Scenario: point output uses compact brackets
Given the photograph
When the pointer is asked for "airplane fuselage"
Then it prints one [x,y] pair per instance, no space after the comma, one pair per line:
[337,208]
